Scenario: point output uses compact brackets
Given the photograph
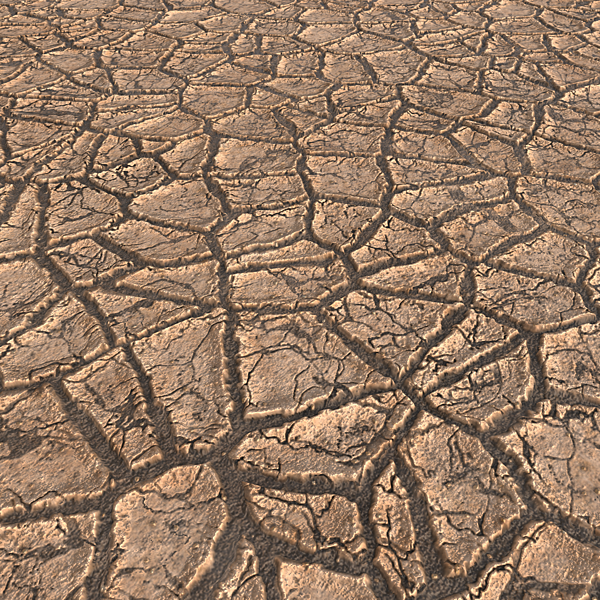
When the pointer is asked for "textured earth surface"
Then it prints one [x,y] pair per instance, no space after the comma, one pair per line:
[299,300]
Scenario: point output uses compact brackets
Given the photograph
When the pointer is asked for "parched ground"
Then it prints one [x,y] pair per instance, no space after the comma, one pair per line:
[299,300]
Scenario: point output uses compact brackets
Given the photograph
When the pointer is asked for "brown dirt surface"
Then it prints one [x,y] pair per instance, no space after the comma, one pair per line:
[300,299]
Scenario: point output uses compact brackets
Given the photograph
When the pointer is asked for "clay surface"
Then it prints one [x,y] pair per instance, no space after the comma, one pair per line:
[300,299]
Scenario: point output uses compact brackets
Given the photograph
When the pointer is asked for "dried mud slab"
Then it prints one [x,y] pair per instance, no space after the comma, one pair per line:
[86,262]
[164,534]
[545,561]
[436,277]
[355,177]
[25,289]
[310,522]
[436,202]
[551,255]
[556,447]
[287,286]
[530,302]
[311,362]
[471,498]
[186,203]
[49,558]
[571,361]
[67,336]
[110,392]
[20,224]
[305,580]
[397,556]
[476,374]
[77,210]
[194,398]
[39,438]
[191,284]
[339,444]
[394,327]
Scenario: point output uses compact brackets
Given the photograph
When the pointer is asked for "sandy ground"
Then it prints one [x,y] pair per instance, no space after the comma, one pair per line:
[299,300]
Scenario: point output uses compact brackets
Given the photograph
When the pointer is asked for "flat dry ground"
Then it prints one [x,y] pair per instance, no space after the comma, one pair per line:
[299,300]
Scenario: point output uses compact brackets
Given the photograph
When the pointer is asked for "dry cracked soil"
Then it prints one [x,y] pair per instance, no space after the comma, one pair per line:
[300,299]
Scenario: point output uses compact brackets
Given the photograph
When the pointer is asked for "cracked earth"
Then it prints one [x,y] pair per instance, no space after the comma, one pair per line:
[300,299]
